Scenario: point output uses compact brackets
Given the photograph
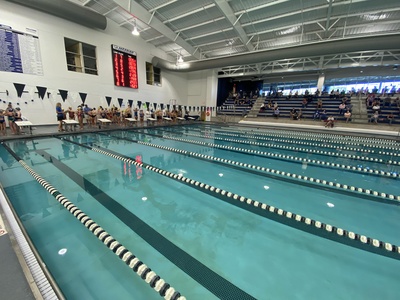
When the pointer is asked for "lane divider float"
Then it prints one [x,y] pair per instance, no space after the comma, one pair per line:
[286,217]
[141,269]
[305,150]
[315,181]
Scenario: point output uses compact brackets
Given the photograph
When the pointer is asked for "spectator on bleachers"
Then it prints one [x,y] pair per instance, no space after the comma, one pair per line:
[317,115]
[370,100]
[293,114]
[390,118]
[262,108]
[330,122]
[374,117]
[276,112]
[347,115]
[392,91]
[270,104]
[342,108]
[387,101]
[376,107]
[323,115]
[299,114]
[349,107]
[336,94]
[304,102]
[296,94]
[319,104]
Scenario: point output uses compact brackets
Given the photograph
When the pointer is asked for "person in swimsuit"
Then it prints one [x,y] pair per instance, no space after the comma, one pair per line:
[80,115]
[2,122]
[11,118]
[17,118]
[60,116]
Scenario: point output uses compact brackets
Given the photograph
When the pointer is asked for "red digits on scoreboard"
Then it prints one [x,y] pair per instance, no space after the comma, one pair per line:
[133,82]
[116,70]
[122,70]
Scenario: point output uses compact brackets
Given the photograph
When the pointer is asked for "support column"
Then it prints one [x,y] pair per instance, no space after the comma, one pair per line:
[321,81]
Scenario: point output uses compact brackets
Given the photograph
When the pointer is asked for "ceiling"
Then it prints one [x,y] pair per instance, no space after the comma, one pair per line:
[212,29]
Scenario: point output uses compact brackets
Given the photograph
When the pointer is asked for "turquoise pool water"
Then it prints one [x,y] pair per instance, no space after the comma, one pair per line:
[202,244]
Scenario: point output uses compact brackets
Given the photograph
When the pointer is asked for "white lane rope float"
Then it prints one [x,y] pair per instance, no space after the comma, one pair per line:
[358,168]
[141,269]
[320,182]
[336,233]
[305,150]
[346,139]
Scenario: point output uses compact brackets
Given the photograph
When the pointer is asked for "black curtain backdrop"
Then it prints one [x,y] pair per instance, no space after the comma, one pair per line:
[224,87]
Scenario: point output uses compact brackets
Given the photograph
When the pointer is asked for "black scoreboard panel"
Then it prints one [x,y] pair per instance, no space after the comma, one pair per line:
[19,52]
[124,67]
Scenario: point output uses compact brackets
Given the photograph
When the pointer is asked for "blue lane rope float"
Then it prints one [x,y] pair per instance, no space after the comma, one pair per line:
[294,220]
[323,183]
[141,269]
[305,150]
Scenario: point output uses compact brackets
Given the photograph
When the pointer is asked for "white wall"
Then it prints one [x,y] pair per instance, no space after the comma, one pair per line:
[202,88]
[51,32]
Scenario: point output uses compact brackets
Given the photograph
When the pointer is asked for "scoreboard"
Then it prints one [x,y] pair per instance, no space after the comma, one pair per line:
[124,67]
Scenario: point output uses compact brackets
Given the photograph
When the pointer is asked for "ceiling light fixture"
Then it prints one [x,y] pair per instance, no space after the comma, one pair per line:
[180,59]
[135,31]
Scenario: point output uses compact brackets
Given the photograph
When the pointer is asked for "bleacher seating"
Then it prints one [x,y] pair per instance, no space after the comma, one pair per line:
[330,105]
[385,110]
[229,107]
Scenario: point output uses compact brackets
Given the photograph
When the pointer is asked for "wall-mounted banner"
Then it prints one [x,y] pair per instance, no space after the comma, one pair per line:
[108,99]
[20,89]
[83,97]
[41,91]
[63,94]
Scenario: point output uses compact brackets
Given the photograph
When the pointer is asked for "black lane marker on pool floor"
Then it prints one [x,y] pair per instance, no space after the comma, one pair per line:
[213,282]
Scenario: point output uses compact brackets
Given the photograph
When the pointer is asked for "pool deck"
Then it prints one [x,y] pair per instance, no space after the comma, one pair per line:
[359,128]
[14,283]
[371,129]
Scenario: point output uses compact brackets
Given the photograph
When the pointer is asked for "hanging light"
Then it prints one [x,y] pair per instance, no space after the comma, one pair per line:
[135,31]
[180,59]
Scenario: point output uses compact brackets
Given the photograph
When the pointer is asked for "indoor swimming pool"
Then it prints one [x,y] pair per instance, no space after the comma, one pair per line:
[210,212]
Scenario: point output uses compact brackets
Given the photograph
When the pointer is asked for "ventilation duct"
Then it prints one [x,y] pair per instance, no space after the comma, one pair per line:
[371,43]
[67,10]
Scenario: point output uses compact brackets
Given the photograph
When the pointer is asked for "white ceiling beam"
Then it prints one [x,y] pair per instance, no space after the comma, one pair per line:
[200,24]
[142,14]
[227,11]
[189,13]
[162,5]
[293,13]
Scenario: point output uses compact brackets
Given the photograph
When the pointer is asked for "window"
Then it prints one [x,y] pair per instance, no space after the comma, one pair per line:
[153,75]
[81,57]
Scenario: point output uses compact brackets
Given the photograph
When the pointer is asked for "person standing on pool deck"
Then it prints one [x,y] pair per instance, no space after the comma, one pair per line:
[60,116]
[11,118]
